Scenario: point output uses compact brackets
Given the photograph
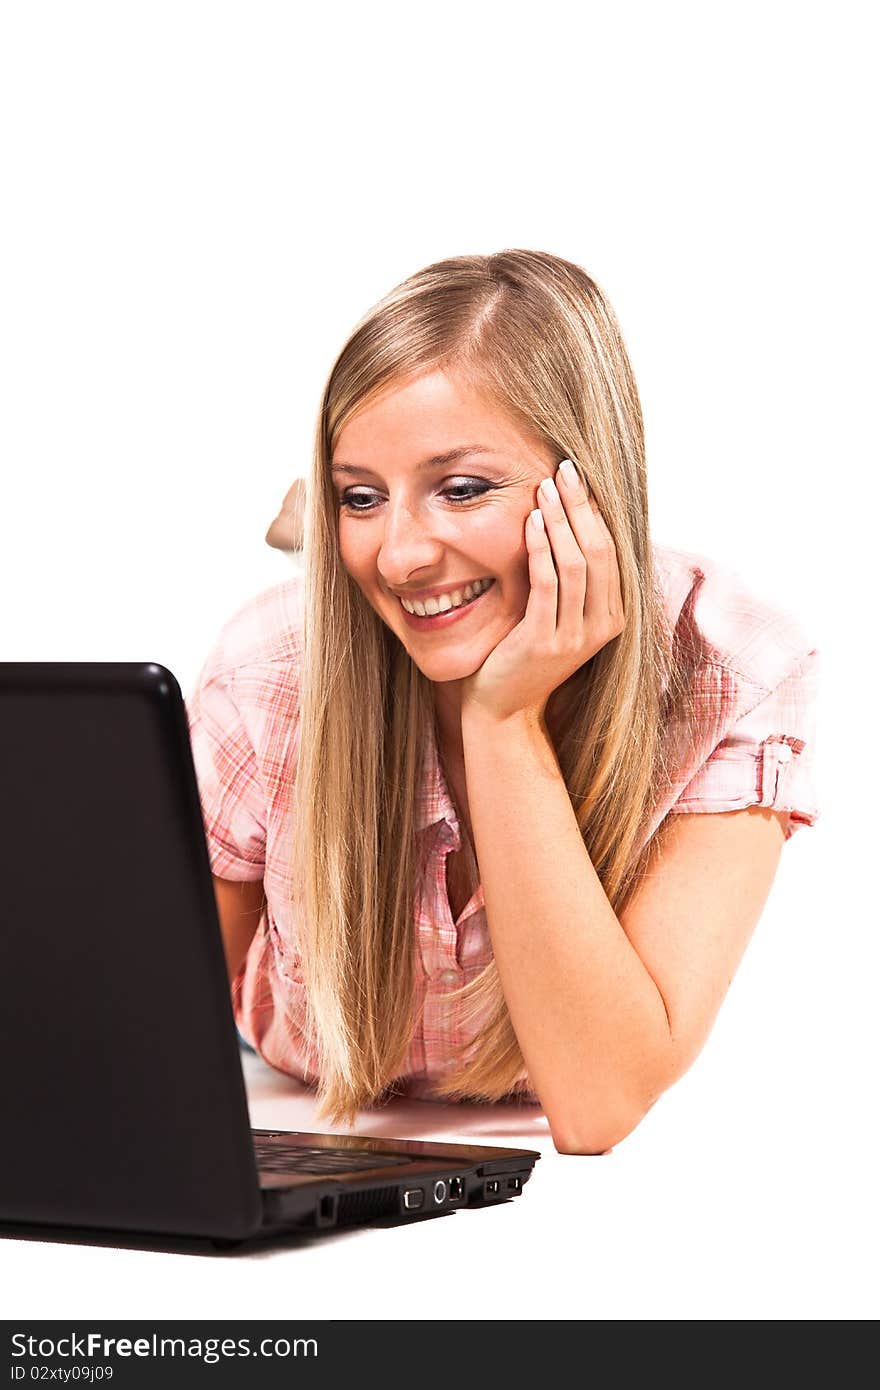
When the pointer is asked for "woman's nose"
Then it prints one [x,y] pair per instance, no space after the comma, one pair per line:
[409,542]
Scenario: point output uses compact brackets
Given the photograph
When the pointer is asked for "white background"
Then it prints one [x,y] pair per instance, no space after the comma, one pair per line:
[199,200]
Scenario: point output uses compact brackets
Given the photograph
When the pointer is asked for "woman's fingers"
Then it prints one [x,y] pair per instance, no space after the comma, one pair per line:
[585,556]
[543,586]
[563,523]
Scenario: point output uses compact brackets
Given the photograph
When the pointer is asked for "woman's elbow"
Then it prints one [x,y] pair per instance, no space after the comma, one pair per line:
[608,1110]
[591,1149]
[600,1129]
[589,1145]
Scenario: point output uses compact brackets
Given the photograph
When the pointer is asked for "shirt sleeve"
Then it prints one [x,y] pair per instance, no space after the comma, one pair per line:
[767,757]
[234,803]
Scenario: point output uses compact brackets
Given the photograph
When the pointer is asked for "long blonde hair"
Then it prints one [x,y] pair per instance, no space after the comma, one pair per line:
[537,333]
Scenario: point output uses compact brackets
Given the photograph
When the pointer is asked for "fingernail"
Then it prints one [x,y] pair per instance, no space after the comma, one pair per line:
[548,487]
[569,473]
[537,518]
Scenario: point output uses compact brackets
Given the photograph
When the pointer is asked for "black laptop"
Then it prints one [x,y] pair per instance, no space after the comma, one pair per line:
[121,1088]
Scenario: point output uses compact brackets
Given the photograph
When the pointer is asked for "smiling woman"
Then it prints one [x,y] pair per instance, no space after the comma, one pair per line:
[514,777]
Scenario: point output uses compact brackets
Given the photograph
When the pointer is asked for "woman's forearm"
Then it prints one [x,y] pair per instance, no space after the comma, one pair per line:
[589,1019]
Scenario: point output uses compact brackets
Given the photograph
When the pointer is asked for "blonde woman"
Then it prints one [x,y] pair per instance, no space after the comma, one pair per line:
[495,790]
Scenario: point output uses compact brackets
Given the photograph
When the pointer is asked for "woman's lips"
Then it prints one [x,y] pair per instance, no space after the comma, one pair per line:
[438,620]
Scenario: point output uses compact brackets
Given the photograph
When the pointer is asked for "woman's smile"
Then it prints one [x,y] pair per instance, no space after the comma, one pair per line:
[450,607]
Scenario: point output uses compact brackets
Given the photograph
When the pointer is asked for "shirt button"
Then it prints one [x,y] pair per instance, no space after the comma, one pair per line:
[449,977]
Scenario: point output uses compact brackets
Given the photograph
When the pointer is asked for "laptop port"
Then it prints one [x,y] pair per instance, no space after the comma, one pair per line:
[440,1190]
[413,1198]
[456,1189]
[515,1184]
[493,1187]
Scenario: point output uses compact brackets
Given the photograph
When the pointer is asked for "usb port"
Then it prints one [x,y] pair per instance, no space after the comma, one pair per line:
[456,1189]
[414,1198]
[493,1187]
[514,1184]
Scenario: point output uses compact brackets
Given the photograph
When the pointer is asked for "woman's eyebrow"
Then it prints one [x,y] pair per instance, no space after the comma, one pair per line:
[435,461]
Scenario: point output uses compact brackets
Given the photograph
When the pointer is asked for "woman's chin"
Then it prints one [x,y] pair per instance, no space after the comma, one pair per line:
[439,669]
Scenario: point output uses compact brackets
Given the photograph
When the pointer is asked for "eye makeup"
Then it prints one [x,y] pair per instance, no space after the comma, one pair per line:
[468,489]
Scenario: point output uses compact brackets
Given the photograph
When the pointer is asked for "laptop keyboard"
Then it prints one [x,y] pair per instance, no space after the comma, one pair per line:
[277,1158]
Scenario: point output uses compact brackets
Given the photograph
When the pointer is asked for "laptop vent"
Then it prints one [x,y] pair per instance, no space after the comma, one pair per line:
[363,1206]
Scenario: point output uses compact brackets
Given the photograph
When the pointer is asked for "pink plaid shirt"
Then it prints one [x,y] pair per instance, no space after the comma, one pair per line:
[758,678]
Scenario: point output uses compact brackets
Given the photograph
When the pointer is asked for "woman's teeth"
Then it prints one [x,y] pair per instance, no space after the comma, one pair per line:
[456,599]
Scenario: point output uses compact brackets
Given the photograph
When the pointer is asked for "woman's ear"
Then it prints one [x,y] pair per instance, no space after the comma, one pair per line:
[286,531]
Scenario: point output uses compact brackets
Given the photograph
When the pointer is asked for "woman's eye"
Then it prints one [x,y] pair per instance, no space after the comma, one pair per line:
[463,492]
[354,499]
[363,499]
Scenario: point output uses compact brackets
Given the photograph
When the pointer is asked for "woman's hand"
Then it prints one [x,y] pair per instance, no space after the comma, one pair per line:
[574,607]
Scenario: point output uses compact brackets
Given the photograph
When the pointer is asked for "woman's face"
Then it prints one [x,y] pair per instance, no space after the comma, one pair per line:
[434,484]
